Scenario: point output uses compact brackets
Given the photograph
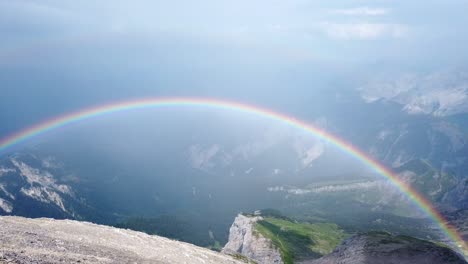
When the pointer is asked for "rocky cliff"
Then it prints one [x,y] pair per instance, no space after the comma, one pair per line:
[43,240]
[384,248]
[245,241]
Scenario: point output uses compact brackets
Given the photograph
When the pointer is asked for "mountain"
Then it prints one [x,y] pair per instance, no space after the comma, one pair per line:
[34,187]
[272,238]
[384,248]
[440,93]
[244,241]
[207,209]
[459,219]
[45,240]
[194,186]
[268,237]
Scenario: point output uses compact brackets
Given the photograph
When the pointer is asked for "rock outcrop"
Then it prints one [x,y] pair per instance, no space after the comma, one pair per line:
[384,248]
[43,240]
[35,187]
[245,241]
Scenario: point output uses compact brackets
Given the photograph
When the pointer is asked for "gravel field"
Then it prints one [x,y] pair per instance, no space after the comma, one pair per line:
[43,240]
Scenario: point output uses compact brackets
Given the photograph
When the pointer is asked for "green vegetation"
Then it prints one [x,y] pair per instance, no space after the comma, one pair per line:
[216,246]
[300,240]
[429,180]
[243,259]
[359,211]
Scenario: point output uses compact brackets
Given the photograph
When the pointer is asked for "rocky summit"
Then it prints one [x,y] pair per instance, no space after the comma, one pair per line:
[44,240]
[384,248]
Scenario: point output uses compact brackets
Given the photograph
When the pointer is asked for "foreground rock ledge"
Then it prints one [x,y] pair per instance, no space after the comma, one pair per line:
[43,240]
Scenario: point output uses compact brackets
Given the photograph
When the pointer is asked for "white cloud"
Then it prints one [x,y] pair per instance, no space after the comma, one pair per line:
[312,154]
[50,163]
[201,158]
[255,148]
[308,151]
[330,188]
[361,11]
[363,31]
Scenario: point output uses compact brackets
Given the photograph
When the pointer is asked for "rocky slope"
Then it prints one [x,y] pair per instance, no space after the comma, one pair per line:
[243,240]
[381,247]
[36,187]
[45,240]
[459,219]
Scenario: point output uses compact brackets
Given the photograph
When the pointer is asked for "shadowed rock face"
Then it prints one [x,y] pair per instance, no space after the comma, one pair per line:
[43,240]
[381,247]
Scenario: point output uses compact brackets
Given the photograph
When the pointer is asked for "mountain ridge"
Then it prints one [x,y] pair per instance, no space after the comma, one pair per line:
[45,240]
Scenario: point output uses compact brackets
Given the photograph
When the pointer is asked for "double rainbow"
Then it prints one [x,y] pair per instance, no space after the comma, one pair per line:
[60,121]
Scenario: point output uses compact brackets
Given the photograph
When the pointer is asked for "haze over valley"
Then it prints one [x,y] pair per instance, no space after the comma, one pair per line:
[257,131]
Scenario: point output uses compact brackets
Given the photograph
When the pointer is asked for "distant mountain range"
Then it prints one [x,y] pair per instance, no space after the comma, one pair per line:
[438,94]
[206,180]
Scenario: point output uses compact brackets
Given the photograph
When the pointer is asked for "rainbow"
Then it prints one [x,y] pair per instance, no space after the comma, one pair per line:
[60,121]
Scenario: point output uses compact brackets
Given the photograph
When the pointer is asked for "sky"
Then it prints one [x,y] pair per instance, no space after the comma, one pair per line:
[306,29]
[58,56]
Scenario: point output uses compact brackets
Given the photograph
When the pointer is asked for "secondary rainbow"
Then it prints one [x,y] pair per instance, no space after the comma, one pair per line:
[74,117]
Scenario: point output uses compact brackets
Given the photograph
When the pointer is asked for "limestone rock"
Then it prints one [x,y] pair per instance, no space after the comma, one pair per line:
[384,248]
[245,241]
[43,240]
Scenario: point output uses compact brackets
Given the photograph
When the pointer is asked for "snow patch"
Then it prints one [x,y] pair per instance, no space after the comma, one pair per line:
[43,178]
[44,195]
[4,171]
[6,206]
[8,194]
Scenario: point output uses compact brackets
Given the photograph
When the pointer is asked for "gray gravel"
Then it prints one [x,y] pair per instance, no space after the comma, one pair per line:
[43,240]
[384,248]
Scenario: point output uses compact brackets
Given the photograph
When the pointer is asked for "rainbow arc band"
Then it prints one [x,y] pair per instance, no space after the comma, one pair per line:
[60,121]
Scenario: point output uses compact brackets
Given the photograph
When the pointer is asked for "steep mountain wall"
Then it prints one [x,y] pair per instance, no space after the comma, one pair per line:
[245,241]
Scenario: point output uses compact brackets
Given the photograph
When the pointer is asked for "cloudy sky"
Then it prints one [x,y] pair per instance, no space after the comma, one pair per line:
[304,28]
[58,56]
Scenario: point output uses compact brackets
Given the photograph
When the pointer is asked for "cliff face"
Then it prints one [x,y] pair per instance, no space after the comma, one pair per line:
[245,241]
[42,240]
[379,247]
